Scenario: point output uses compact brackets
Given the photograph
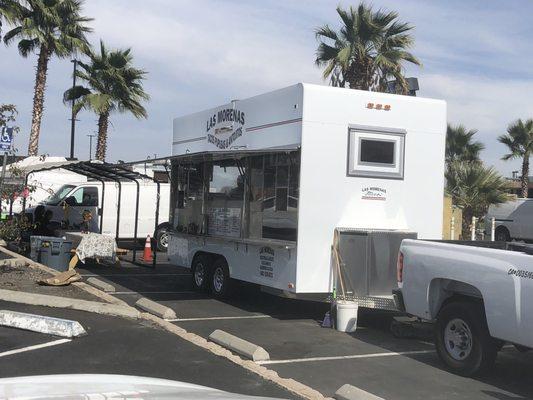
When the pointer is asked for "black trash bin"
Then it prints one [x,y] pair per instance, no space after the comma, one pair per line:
[55,253]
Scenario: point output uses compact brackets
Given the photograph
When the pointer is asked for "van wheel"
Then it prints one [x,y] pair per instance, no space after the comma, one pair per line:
[220,279]
[463,340]
[161,238]
[200,272]
[502,234]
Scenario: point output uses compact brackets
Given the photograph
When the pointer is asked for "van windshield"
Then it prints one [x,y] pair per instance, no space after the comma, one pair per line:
[59,195]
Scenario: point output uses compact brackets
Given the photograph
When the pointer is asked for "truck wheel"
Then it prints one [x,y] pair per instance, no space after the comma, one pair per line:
[463,340]
[502,234]
[161,238]
[200,272]
[220,279]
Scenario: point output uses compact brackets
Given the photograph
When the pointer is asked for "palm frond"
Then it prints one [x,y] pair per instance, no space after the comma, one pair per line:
[367,49]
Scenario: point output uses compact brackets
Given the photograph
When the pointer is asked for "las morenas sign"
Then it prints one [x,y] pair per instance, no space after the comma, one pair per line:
[232,121]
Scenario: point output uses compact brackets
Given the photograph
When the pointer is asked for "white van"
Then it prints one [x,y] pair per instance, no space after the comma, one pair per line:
[514,220]
[70,201]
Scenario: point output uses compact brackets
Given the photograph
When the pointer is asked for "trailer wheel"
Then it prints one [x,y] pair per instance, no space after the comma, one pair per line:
[502,234]
[220,279]
[200,272]
[462,338]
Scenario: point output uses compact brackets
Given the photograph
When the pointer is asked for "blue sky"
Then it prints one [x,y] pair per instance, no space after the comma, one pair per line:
[476,54]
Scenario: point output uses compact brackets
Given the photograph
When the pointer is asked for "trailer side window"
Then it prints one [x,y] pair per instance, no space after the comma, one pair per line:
[376,154]
[225,198]
[273,199]
[189,198]
[376,151]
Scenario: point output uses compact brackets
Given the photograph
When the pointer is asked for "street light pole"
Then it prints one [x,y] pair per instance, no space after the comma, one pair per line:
[73,117]
[91,146]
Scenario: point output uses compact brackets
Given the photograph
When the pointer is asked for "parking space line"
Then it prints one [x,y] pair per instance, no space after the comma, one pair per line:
[111,275]
[128,293]
[35,347]
[374,355]
[218,318]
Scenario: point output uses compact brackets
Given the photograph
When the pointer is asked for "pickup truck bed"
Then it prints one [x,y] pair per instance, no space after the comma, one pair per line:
[480,297]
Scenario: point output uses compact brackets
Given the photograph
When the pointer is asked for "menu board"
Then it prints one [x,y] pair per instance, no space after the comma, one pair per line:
[224,222]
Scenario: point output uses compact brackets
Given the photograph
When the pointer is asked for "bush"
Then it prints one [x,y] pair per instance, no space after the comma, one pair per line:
[12,229]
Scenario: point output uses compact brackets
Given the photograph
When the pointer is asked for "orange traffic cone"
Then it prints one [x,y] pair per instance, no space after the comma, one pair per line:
[147,255]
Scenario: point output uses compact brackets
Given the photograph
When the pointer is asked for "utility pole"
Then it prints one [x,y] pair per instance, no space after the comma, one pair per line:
[91,146]
[73,117]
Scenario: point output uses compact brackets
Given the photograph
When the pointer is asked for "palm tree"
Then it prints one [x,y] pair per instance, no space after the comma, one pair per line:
[474,187]
[113,84]
[519,140]
[51,27]
[459,144]
[369,48]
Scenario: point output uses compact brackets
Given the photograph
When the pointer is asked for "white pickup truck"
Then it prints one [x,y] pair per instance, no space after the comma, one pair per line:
[479,298]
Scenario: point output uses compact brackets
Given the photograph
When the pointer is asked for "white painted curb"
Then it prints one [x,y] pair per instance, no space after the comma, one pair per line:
[238,345]
[155,308]
[41,323]
[349,392]
[99,284]
[64,302]
[13,262]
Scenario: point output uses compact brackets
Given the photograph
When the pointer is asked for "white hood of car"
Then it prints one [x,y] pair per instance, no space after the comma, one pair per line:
[94,386]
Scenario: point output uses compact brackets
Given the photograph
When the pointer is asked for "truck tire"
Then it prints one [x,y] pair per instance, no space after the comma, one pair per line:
[200,270]
[462,338]
[220,279]
[502,234]
[161,237]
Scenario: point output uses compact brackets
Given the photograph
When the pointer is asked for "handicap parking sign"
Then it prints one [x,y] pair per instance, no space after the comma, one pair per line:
[6,138]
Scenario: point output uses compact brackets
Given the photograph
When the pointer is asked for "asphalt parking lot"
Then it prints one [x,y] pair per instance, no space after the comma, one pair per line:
[324,359]
[119,346]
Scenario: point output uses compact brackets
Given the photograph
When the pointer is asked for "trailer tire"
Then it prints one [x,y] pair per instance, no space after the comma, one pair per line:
[502,234]
[220,279]
[200,270]
[462,338]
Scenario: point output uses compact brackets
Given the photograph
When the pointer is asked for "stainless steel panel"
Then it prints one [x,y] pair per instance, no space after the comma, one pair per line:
[383,256]
[369,260]
[354,248]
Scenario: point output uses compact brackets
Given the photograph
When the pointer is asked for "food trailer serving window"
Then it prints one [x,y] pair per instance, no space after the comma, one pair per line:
[188,197]
[273,205]
[252,197]
[375,153]
[225,198]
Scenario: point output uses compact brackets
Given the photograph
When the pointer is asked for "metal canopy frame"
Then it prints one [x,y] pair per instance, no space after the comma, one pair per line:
[102,172]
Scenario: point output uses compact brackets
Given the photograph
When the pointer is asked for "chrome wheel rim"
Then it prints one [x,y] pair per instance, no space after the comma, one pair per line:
[458,339]
[163,240]
[199,275]
[218,280]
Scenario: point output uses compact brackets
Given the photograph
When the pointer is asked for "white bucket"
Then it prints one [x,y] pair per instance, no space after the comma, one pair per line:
[347,316]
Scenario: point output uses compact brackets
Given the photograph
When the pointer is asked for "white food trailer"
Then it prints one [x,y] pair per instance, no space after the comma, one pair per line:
[260,187]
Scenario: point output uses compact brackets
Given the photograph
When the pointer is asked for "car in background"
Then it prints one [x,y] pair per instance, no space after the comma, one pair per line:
[513,220]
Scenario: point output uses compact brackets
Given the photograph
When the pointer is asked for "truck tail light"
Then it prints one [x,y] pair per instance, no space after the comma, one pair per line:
[399,267]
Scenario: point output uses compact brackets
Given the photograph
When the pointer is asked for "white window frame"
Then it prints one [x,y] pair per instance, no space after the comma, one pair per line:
[356,167]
